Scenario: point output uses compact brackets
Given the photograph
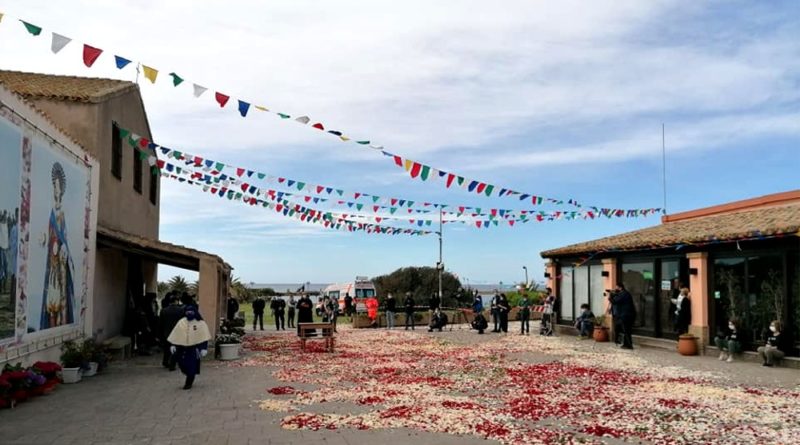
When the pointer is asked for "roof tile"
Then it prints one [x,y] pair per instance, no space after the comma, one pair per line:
[69,88]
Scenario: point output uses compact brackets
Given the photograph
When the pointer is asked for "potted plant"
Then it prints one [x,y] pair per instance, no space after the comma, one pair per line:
[600,333]
[49,371]
[687,344]
[73,361]
[228,346]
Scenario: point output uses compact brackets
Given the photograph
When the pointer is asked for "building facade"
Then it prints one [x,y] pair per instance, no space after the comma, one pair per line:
[740,261]
[96,113]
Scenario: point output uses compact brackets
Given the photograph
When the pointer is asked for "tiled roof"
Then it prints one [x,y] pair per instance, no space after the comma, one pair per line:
[768,221]
[67,88]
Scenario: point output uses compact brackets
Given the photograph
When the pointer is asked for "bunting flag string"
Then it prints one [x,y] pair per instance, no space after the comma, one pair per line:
[238,176]
[302,213]
[416,170]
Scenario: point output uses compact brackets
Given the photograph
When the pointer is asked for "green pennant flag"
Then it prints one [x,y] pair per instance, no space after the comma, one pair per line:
[154,170]
[261,176]
[176,154]
[392,210]
[359,206]
[409,204]
[238,195]
[428,222]
[142,155]
[219,166]
[300,185]
[362,142]
[477,210]
[496,222]
[284,116]
[426,170]
[33,29]
[340,192]
[523,217]
[123,133]
[460,180]
[488,190]
[291,212]
[178,170]
[375,198]
[176,79]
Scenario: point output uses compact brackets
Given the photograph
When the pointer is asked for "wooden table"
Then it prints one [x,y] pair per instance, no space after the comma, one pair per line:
[326,333]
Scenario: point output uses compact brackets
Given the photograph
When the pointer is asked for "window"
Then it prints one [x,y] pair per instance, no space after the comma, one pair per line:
[581,288]
[116,152]
[154,188]
[137,170]
[597,287]
[638,279]
[565,295]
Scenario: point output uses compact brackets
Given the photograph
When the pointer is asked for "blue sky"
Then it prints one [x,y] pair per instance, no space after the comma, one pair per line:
[560,99]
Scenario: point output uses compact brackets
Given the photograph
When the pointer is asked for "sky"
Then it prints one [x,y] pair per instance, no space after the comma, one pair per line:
[561,99]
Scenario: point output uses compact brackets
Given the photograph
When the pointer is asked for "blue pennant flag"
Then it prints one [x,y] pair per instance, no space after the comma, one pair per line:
[121,62]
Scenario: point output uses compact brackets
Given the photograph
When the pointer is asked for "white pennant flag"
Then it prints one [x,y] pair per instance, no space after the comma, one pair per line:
[59,42]
[199,90]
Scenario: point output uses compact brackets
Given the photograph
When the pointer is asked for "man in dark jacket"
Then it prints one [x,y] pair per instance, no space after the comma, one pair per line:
[348,306]
[258,312]
[233,308]
[624,313]
[434,302]
[495,312]
[278,306]
[409,308]
[503,308]
[168,318]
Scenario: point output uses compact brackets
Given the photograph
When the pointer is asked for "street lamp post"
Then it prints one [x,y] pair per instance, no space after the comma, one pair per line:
[440,265]
[526,276]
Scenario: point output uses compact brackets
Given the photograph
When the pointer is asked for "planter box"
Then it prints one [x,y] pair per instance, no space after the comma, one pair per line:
[229,351]
[71,375]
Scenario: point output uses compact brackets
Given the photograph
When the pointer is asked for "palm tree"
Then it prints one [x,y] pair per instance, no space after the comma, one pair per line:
[194,287]
[178,284]
[163,288]
[239,290]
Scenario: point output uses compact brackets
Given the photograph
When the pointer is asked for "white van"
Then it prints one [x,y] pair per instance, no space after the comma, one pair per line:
[360,289]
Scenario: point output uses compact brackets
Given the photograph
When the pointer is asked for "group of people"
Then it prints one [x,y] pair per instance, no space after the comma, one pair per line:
[184,335]
[286,312]
[9,223]
[500,308]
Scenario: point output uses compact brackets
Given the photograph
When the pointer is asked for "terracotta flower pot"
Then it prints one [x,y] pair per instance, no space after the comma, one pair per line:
[600,334]
[687,345]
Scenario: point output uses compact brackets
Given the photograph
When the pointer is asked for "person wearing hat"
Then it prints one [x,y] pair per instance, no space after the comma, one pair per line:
[189,340]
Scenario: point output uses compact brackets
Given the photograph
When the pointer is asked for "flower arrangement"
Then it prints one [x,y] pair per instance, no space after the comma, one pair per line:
[94,352]
[73,356]
[18,383]
[232,327]
[227,339]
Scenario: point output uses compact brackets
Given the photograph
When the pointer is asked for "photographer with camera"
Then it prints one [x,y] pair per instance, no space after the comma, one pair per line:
[624,313]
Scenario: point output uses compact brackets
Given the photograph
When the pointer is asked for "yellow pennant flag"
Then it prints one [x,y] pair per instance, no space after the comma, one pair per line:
[259,107]
[150,73]
[1,16]
[344,138]
[408,163]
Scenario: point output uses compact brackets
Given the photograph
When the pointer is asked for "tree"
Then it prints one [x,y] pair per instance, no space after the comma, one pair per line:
[422,282]
[178,284]
[240,291]
[194,287]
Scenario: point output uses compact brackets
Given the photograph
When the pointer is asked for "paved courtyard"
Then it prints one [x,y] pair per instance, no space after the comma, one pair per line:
[441,388]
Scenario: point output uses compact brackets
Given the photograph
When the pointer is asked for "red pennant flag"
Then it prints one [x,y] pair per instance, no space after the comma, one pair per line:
[308,199]
[198,161]
[245,186]
[394,201]
[239,172]
[415,169]
[357,195]
[160,163]
[90,54]
[143,142]
[398,160]
[221,99]
[478,223]
[378,219]
[450,178]
[279,207]
[461,209]
[320,189]
[494,212]
[281,180]
[511,222]
[213,190]
[375,208]
[318,126]
[481,187]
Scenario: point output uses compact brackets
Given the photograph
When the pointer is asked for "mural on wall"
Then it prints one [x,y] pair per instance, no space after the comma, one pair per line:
[44,207]
[10,161]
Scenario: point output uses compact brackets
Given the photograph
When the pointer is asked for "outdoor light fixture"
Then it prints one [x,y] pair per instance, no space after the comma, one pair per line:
[692,271]
[547,274]
[605,273]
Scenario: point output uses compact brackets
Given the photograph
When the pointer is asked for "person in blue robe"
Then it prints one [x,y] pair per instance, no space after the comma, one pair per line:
[188,356]
[59,292]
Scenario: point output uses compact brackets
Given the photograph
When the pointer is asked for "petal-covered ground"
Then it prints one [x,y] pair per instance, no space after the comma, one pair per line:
[513,389]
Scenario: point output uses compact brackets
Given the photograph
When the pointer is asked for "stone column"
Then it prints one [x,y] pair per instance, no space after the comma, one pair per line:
[551,268]
[209,293]
[609,282]
[698,287]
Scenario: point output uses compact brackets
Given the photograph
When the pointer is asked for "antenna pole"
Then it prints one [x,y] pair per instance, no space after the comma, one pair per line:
[664,166]
[440,266]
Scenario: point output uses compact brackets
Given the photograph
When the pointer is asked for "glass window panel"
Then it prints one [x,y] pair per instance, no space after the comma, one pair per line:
[565,293]
[638,279]
[669,289]
[597,288]
[766,296]
[581,281]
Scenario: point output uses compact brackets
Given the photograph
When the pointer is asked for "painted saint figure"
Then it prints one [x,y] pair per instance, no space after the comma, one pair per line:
[59,292]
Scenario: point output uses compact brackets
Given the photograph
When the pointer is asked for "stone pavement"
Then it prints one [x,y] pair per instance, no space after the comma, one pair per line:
[138,402]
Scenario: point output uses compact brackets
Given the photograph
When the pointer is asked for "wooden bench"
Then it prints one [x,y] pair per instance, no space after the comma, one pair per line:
[326,333]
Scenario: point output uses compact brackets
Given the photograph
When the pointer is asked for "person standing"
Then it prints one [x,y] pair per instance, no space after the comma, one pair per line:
[434,302]
[233,308]
[683,311]
[503,308]
[189,340]
[372,311]
[494,311]
[258,312]
[409,308]
[290,311]
[624,310]
[168,317]
[391,308]
[348,306]
[332,309]
[278,306]
[305,312]
[525,314]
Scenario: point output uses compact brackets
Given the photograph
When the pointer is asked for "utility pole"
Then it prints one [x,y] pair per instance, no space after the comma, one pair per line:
[526,276]
[440,265]
[664,165]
